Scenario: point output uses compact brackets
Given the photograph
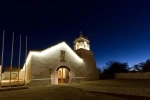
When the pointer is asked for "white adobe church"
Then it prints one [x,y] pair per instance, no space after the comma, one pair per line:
[54,64]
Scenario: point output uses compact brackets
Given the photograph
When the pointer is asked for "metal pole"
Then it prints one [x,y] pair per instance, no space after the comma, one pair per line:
[2,58]
[11,59]
[19,61]
[25,60]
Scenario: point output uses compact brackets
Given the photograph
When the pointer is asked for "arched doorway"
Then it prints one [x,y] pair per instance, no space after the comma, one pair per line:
[63,74]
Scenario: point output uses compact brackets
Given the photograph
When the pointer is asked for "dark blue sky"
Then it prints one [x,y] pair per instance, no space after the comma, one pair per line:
[117,29]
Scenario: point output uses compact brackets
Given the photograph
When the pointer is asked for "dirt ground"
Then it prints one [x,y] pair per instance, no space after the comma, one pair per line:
[89,90]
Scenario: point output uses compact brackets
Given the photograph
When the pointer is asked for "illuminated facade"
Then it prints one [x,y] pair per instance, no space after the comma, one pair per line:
[59,63]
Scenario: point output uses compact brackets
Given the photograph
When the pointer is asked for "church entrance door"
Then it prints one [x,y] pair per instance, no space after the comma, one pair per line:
[63,74]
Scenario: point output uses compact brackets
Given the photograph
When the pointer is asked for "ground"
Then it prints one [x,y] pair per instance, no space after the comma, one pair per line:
[53,93]
[128,87]
[93,90]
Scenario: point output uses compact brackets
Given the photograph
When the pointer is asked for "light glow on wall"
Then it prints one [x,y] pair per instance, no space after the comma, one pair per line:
[57,47]
[28,58]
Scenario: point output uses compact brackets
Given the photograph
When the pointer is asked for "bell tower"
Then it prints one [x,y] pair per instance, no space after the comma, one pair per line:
[81,42]
[82,49]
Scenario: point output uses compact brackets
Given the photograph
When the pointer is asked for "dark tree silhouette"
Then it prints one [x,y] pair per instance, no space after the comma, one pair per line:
[116,67]
[142,67]
[137,67]
[113,67]
[99,70]
[146,66]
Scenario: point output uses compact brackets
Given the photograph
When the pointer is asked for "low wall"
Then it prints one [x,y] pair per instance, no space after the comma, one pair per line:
[132,75]
[13,82]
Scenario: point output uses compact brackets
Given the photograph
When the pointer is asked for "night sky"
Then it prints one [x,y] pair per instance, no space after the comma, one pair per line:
[117,29]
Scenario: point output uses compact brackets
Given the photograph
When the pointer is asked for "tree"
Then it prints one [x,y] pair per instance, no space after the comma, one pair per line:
[146,66]
[99,70]
[142,67]
[116,67]
[137,67]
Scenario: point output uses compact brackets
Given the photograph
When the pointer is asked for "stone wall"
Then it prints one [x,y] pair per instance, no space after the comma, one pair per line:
[144,75]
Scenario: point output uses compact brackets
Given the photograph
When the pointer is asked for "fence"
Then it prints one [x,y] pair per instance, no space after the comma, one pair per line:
[132,75]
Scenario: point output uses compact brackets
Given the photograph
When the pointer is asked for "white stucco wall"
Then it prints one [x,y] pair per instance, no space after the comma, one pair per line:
[51,59]
[25,72]
[21,74]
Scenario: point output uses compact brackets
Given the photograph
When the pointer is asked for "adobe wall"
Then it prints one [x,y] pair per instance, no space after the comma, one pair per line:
[91,72]
[144,75]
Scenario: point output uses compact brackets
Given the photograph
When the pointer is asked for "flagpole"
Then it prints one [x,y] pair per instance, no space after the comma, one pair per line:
[19,61]
[25,60]
[11,59]
[2,58]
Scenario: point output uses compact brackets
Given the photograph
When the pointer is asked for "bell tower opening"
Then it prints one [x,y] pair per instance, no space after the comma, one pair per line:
[81,43]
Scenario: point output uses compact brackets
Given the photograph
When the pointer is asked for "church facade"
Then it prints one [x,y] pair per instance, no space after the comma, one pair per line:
[59,63]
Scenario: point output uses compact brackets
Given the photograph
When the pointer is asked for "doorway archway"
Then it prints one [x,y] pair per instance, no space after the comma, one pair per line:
[63,74]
